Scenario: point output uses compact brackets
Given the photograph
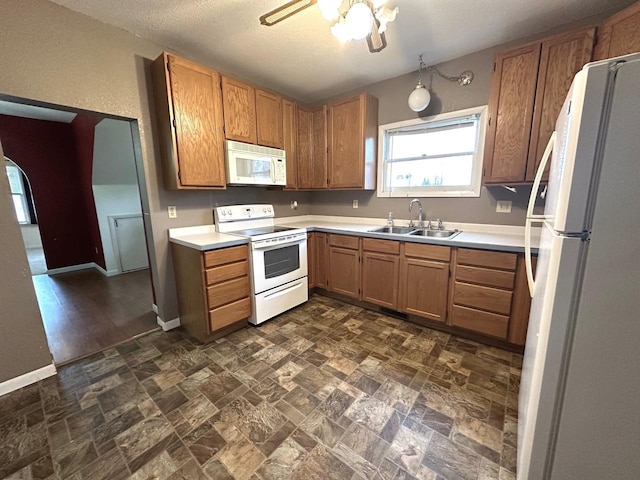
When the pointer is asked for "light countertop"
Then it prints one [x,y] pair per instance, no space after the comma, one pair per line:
[486,237]
[204,237]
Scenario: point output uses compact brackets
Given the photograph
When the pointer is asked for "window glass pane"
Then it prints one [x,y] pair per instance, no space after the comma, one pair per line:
[440,141]
[15,179]
[18,204]
[434,172]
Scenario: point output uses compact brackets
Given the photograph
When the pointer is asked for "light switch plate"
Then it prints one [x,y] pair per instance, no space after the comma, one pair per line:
[294,204]
[172,211]
[503,206]
[355,204]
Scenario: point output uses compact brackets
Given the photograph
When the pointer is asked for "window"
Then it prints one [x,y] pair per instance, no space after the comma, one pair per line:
[438,156]
[20,202]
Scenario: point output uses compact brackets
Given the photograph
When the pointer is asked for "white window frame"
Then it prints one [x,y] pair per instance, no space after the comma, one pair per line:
[434,191]
[20,196]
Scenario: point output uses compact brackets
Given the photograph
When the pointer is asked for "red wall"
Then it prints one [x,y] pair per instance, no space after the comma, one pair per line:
[48,154]
[83,127]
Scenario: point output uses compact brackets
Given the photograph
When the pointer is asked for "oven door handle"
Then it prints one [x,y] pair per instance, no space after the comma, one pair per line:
[277,245]
[283,292]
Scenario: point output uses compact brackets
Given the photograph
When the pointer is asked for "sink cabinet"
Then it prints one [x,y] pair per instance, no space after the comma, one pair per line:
[214,289]
[380,271]
[424,280]
[344,265]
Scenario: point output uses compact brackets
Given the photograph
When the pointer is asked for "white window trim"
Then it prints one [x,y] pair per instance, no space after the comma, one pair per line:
[476,173]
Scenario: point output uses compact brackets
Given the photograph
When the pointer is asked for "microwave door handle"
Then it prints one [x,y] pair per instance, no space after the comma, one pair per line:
[272,170]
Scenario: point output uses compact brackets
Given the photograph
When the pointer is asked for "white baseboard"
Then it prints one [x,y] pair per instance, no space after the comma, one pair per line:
[154,307]
[83,266]
[169,325]
[27,379]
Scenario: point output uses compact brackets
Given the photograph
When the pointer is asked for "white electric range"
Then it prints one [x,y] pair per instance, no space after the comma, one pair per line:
[278,258]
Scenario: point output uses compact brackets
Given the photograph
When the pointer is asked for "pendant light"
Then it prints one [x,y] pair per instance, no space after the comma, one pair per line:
[420,97]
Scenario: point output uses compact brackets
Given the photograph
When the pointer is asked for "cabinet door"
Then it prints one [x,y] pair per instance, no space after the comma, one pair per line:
[519,319]
[319,148]
[561,58]
[304,147]
[269,119]
[239,100]
[619,34]
[346,143]
[513,87]
[289,127]
[380,279]
[344,271]
[197,119]
[321,276]
[311,259]
[424,288]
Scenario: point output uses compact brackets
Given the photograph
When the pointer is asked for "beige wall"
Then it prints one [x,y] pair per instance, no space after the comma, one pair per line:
[23,344]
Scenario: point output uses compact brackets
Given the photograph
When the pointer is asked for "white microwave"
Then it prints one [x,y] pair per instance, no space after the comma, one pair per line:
[254,165]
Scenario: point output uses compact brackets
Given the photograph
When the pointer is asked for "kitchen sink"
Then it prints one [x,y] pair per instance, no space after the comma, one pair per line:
[435,233]
[399,230]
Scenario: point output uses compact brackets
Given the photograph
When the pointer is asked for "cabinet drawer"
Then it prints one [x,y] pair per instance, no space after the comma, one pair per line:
[484,298]
[227,272]
[486,258]
[381,246]
[479,321]
[228,292]
[228,314]
[213,258]
[344,241]
[483,276]
[434,252]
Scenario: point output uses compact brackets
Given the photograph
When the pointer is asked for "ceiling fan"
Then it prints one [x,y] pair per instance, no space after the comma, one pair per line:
[352,19]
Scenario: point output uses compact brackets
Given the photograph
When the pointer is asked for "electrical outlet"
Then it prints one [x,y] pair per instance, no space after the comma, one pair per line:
[172,211]
[503,206]
[355,204]
[294,204]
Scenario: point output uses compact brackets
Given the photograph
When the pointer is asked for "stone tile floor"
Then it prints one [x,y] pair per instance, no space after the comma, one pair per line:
[325,391]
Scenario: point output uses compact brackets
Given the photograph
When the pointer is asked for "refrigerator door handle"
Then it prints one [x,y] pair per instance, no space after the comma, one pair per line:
[531,218]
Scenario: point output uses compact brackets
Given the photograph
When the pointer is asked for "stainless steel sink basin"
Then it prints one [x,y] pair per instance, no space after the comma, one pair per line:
[436,233]
[398,230]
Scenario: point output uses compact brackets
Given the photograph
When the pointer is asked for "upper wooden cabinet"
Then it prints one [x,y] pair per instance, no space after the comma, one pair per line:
[290,133]
[528,88]
[269,119]
[189,114]
[311,147]
[252,115]
[619,34]
[239,100]
[352,134]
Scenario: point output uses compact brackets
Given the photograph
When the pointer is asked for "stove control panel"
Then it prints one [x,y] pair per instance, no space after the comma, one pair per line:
[233,213]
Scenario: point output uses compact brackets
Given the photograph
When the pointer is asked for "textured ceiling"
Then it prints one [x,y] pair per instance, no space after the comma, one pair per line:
[301,58]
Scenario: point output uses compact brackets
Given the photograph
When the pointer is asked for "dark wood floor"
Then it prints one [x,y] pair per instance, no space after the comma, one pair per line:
[85,312]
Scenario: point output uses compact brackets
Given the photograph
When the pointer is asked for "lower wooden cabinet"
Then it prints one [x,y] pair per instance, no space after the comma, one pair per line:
[483,286]
[380,270]
[344,265]
[424,281]
[214,290]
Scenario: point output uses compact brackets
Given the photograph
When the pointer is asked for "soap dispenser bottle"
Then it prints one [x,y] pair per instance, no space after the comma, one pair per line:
[390,220]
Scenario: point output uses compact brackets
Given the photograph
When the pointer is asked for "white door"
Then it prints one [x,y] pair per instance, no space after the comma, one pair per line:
[132,247]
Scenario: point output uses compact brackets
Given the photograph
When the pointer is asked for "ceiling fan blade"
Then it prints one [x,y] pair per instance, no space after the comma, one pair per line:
[285,11]
[376,41]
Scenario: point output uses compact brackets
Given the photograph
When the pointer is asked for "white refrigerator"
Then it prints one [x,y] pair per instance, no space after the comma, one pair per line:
[579,400]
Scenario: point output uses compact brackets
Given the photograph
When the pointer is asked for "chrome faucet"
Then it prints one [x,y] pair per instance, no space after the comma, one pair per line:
[420,214]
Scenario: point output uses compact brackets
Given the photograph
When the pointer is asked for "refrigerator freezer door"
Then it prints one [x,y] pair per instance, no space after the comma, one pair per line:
[575,151]
[599,431]
[559,260]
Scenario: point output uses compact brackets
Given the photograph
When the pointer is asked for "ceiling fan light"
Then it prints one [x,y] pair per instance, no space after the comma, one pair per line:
[341,32]
[378,3]
[330,9]
[419,98]
[386,15]
[358,21]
